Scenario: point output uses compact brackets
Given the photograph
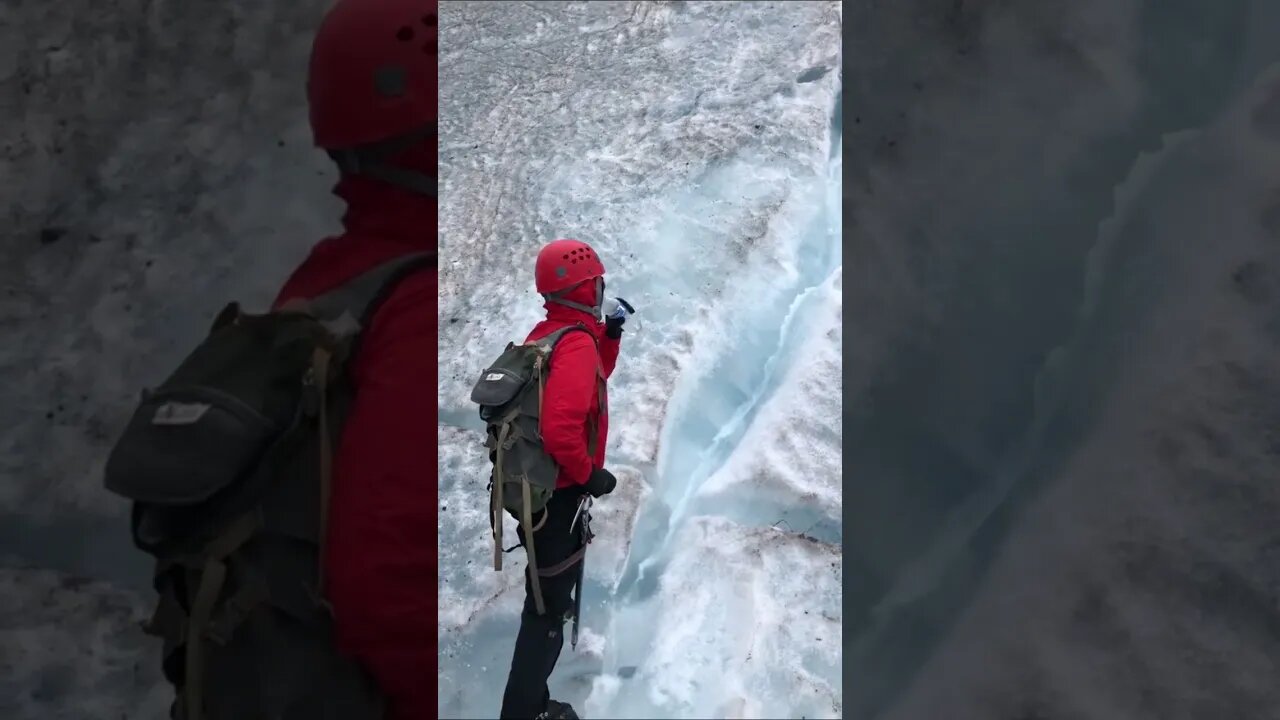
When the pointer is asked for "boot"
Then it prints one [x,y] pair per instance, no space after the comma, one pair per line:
[557,710]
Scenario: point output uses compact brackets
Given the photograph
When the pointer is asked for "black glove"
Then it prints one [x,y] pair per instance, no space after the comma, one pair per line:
[613,323]
[601,482]
[613,326]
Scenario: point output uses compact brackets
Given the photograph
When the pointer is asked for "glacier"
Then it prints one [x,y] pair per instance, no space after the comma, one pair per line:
[155,163]
[1060,443]
[696,146]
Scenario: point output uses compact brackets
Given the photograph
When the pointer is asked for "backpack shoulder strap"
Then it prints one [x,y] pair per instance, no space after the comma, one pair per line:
[348,308]
[549,342]
[346,311]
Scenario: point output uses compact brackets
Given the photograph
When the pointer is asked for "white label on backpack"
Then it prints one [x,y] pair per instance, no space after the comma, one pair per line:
[176,413]
[343,326]
[491,377]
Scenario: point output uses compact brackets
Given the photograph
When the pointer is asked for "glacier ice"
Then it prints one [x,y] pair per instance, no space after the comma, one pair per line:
[155,163]
[1145,572]
[1062,428]
[153,170]
[693,145]
[77,651]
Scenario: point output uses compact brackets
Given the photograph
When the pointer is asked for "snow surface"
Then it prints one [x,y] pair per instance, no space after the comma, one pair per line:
[155,163]
[160,167]
[1148,570]
[72,649]
[1062,394]
[692,145]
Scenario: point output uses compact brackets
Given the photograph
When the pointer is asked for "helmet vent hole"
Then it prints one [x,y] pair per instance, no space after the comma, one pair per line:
[405,34]
[429,20]
[566,256]
[390,81]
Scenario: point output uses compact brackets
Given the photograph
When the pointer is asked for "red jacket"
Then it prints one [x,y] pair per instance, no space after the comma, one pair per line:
[574,388]
[382,555]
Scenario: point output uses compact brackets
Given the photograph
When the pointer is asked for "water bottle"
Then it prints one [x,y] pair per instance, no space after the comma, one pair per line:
[616,308]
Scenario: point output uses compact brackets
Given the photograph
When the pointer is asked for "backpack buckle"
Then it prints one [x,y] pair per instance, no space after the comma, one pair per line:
[235,610]
[310,394]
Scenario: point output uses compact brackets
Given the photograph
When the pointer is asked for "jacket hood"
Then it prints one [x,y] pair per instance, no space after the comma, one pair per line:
[585,294]
[376,208]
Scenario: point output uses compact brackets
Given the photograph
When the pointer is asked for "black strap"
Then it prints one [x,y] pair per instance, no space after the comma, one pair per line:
[371,160]
[553,339]
[350,308]
[565,564]
[406,266]
[360,297]
[357,160]
[558,297]
[407,179]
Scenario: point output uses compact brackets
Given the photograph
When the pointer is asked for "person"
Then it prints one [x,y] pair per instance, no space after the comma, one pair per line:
[292,581]
[570,277]
[372,98]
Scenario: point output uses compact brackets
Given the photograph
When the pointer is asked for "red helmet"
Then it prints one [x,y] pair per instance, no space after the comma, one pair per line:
[563,264]
[372,82]
[373,71]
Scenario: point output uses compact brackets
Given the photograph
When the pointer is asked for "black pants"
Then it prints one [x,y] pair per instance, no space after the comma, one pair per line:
[541,637]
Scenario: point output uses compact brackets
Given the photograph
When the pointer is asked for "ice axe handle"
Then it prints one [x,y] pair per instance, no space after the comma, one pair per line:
[583,516]
[584,503]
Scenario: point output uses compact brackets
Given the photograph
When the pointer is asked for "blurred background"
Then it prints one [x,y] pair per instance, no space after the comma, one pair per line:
[156,163]
[1062,224]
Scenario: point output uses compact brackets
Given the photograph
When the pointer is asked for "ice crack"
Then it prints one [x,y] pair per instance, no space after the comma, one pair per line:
[707,424]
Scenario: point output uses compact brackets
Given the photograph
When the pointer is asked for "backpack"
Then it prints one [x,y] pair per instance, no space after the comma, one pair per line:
[228,466]
[509,393]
